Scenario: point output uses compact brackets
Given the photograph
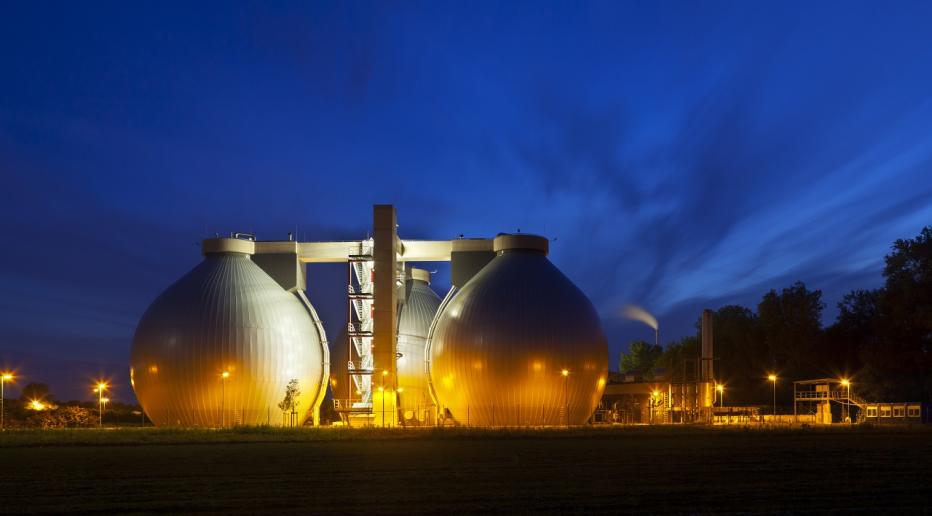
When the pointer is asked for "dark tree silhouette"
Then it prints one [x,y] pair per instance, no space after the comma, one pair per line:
[641,357]
[35,391]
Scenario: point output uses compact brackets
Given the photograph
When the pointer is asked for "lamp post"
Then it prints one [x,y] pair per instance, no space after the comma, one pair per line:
[101,387]
[382,393]
[721,395]
[847,385]
[566,402]
[773,378]
[4,377]
[223,387]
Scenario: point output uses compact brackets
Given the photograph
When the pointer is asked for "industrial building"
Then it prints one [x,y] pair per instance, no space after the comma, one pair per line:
[897,413]
[513,342]
[684,394]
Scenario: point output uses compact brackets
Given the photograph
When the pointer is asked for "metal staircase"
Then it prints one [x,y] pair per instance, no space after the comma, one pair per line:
[360,323]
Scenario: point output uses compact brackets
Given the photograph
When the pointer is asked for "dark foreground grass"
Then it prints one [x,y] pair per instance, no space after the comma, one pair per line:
[650,470]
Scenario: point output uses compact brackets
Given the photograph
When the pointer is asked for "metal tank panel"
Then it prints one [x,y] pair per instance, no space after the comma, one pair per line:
[414,321]
[468,256]
[500,345]
[226,314]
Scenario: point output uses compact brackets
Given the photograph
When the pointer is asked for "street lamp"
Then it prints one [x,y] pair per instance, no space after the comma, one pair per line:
[4,377]
[223,387]
[566,402]
[721,395]
[653,403]
[847,385]
[99,389]
[382,394]
[773,378]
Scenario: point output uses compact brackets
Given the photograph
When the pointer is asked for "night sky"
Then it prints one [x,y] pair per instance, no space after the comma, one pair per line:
[682,155]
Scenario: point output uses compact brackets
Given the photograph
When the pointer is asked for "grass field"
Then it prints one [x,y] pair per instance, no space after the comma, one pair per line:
[693,470]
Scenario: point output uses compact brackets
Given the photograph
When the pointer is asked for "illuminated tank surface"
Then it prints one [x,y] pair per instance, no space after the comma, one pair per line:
[500,345]
[225,315]
[414,320]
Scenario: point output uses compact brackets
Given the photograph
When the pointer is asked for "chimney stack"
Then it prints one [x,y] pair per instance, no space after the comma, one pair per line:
[705,368]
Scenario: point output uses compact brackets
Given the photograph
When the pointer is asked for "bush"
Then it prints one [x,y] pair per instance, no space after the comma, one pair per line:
[63,417]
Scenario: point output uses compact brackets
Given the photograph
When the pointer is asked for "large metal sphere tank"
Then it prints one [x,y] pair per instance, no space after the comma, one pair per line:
[414,318]
[220,345]
[519,344]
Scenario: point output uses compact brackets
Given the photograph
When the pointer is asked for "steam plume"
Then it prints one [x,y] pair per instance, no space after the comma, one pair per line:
[637,313]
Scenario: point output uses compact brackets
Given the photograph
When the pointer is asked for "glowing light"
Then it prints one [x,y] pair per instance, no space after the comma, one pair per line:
[655,393]
[772,378]
[845,382]
[381,389]
[565,372]
[7,377]
[401,389]
[384,372]
[720,388]
[105,400]
[153,369]
[358,391]
[601,382]
[36,405]
[333,382]
[225,374]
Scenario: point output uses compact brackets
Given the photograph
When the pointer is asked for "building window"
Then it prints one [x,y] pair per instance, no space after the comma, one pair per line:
[885,411]
[871,411]
[914,411]
[899,411]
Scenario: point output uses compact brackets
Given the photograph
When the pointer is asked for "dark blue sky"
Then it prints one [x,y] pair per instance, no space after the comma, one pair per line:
[683,155]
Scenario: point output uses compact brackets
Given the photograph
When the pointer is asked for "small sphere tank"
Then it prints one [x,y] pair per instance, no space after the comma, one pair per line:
[219,347]
[518,345]
[414,318]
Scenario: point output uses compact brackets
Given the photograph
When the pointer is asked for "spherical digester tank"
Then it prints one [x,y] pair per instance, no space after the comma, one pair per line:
[220,346]
[519,344]
[414,319]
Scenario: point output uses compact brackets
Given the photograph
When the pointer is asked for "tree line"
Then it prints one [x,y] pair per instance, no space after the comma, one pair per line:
[881,338]
[37,407]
